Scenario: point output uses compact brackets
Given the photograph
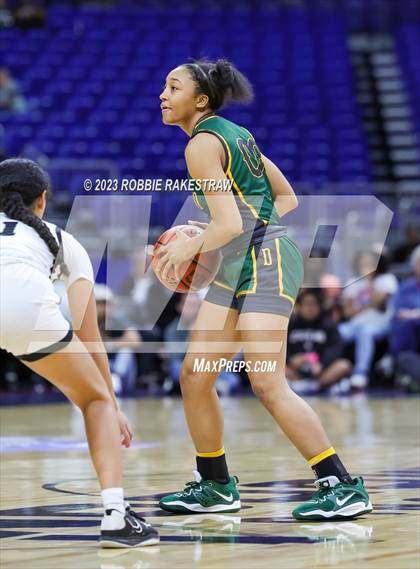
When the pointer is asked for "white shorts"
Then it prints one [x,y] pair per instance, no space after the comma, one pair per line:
[31,323]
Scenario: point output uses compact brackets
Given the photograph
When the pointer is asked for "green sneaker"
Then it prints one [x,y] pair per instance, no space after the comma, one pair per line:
[204,496]
[335,499]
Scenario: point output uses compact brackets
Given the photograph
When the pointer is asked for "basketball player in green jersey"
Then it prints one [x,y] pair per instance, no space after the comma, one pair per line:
[250,301]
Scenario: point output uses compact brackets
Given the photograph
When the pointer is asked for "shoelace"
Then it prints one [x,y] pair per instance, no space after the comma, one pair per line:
[328,490]
[323,493]
[195,484]
[132,513]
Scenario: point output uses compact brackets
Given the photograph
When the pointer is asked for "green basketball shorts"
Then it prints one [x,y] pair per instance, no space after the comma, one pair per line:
[265,278]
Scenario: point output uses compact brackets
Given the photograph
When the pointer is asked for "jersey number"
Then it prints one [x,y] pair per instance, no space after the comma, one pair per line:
[8,229]
[251,156]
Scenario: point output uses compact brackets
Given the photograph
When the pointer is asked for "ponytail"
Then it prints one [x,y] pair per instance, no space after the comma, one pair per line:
[21,182]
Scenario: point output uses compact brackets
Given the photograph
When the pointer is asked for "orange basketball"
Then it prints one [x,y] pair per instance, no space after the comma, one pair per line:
[197,273]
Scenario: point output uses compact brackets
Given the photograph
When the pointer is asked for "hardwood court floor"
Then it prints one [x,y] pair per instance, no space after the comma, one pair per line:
[50,503]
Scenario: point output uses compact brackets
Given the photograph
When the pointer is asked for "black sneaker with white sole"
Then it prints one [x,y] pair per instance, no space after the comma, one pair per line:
[135,533]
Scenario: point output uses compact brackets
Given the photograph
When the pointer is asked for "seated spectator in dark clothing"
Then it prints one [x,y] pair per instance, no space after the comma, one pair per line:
[331,297]
[29,14]
[10,96]
[314,346]
[402,252]
[405,329]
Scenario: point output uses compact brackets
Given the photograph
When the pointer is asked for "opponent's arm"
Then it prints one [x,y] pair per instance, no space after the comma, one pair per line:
[284,197]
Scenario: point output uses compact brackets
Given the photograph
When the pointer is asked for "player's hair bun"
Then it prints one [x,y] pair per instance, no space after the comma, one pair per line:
[221,74]
[221,82]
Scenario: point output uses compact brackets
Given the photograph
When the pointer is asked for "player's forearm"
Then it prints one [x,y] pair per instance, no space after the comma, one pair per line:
[284,204]
[216,235]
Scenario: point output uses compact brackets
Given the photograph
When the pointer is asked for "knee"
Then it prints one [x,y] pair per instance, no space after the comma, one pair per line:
[195,381]
[189,380]
[344,366]
[93,397]
[366,334]
[269,392]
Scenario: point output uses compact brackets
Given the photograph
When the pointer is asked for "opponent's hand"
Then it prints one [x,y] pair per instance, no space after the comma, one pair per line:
[125,429]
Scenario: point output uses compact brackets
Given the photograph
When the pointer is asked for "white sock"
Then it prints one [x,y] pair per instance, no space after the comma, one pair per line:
[113,521]
[113,499]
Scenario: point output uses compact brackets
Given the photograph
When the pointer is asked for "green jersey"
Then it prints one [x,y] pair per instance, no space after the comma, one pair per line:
[262,263]
[245,171]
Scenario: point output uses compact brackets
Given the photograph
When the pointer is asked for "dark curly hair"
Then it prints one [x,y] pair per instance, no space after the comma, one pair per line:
[21,183]
[220,81]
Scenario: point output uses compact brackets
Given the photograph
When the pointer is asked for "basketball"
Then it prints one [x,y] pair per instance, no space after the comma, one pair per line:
[197,273]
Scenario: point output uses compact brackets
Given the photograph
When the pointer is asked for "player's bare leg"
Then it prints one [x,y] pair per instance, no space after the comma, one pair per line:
[201,402]
[338,496]
[293,415]
[214,337]
[74,372]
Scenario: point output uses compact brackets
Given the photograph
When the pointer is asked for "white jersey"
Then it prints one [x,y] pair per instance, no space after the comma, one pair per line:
[21,244]
[31,323]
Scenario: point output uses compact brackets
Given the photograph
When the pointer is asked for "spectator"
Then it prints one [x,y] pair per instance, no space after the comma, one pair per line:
[405,330]
[30,14]
[176,336]
[6,17]
[366,306]
[314,349]
[314,262]
[331,294]
[402,253]
[121,342]
[10,96]
[151,299]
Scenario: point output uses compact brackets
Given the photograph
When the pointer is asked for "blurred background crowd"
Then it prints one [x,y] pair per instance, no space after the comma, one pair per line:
[336,107]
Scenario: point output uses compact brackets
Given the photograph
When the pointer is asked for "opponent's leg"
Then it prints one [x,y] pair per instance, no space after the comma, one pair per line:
[74,372]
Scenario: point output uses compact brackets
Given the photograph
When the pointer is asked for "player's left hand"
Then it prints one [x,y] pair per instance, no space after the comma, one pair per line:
[125,429]
[172,255]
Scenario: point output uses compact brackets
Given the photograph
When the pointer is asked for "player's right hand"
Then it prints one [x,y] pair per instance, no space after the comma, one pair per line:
[125,429]
[198,224]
